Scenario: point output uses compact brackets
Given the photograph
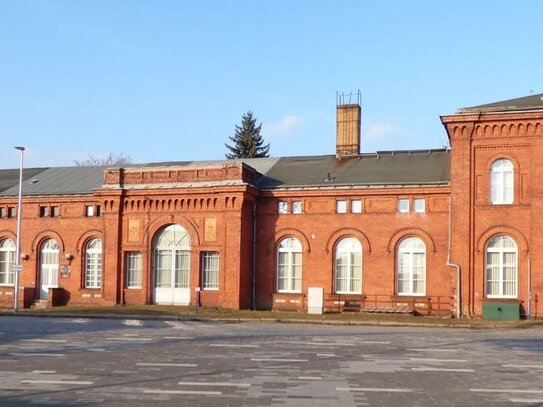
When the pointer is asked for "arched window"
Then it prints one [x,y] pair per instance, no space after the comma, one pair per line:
[501,268]
[93,264]
[411,270]
[289,266]
[502,182]
[349,266]
[7,258]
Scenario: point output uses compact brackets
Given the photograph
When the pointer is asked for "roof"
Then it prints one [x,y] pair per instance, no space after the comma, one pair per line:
[52,181]
[392,168]
[426,167]
[532,102]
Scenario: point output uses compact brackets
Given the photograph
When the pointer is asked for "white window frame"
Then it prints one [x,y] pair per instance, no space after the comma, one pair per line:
[296,207]
[210,271]
[89,210]
[502,182]
[7,259]
[282,207]
[348,266]
[409,250]
[356,206]
[497,250]
[289,266]
[341,206]
[134,269]
[93,263]
[419,205]
[403,205]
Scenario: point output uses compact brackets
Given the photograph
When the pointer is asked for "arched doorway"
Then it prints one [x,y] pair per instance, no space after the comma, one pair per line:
[171,282]
[49,257]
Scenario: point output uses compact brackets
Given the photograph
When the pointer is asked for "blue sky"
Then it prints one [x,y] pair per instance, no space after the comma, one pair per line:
[169,80]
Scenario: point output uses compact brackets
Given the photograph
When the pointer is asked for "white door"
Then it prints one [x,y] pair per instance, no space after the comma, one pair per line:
[172,266]
[48,267]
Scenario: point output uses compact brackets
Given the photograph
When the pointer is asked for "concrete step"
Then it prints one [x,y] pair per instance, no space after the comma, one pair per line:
[39,304]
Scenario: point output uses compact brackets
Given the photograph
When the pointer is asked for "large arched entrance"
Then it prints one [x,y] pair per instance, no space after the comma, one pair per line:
[171,247]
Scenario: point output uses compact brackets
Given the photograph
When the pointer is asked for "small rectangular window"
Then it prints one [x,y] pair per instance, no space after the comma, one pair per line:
[403,205]
[133,269]
[210,270]
[44,211]
[11,212]
[98,210]
[341,206]
[55,211]
[89,210]
[283,207]
[356,206]
[419,205]
[296,207]
[3,212]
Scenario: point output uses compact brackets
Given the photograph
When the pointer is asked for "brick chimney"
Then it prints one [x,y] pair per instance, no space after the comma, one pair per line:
[348,130]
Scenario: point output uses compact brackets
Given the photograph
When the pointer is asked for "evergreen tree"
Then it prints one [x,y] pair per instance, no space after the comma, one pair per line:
[247,141]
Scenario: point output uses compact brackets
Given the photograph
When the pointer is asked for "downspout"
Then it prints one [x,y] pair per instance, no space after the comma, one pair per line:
[529,316]
[254,256]
[458,310]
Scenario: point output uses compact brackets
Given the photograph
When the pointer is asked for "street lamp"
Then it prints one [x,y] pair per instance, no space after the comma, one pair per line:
[18,244]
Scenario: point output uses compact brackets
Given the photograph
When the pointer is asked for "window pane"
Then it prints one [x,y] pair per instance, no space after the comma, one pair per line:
[403,205]
[289,265]
[411,268]
[7,258]
[341,206]
[93,264]
[133,269]
[501,267]
[210,270]
[502,182]
[163,269]
[356,206]
[283,207]
[182,267]
[349,266]
[296,207]
[420,205]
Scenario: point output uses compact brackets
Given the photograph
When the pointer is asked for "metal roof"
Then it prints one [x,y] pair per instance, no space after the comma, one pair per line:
[55,181]
[532,102]
[379,169]
[396,168]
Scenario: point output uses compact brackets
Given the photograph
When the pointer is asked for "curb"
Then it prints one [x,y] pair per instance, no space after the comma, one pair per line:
[280,320]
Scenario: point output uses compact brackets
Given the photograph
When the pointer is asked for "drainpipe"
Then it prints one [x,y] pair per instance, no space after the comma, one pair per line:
[254,256]
[529,316]
[458,310]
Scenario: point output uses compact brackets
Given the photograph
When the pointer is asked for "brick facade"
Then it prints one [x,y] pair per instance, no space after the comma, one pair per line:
[225,211]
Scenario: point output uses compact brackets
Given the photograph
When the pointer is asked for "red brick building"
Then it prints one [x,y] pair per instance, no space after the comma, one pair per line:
[438,231]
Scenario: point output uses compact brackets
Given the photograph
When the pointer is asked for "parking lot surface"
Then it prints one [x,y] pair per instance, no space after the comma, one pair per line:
[109,362]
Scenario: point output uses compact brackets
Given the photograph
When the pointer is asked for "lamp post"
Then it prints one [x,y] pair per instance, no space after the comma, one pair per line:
[18,244]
